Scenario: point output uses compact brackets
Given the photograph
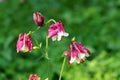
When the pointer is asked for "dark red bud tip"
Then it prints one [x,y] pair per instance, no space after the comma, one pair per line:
[38,18]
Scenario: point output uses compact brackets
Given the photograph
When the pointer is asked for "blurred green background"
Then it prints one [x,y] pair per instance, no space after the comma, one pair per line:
[95,23]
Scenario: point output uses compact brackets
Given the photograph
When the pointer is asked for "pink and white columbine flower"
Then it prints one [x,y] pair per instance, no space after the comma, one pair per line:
[77,53]
[56,31]
[24,43]
[38,18]
[34,77]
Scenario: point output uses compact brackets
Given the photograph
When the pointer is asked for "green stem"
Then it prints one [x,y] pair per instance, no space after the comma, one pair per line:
[31,32]
[35,30]
[63,64]
[46,55]
[50,21]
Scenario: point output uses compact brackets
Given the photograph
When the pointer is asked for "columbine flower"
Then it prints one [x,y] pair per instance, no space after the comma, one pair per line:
[77,53]
[34,77]
[56,31]
[38,18]
[24,43]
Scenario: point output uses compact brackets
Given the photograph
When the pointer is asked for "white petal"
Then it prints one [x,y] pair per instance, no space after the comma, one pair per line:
[24,48]
[59,37]
[82,56]
[78,61]
[87,55]
[66,34]
[60,34]
[72,60]
[54,38]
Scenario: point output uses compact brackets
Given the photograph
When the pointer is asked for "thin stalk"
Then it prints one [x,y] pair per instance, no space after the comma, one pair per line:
[62,68]
[31,32]
[46,55]
[51,20]
[35,30]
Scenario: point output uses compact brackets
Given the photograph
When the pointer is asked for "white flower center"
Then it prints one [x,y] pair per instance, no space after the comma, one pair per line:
[24,48]
[54,38]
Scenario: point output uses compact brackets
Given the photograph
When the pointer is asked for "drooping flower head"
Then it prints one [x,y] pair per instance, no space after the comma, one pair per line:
[24,43]
[77,53]
[38,18]
[56,31]
[34,77]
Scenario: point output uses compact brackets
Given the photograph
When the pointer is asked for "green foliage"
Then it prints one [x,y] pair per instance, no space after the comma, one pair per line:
[95,23]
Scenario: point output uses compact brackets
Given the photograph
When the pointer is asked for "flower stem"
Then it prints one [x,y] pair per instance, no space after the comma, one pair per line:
[46,55]
[31,32]
[50,21]
[63,64]
[35,30]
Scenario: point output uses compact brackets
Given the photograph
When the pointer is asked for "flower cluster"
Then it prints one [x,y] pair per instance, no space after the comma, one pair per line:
[77,54]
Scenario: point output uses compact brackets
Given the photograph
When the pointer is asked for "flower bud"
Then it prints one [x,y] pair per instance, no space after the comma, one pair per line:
[34,77]
[38,18]
[24,43]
